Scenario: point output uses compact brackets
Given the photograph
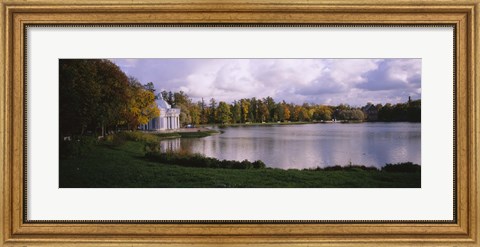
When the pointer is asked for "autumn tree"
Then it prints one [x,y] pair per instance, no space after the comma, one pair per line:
[244,106]
[286,111]
[141,106]
[264,113]
[252,116]
[297,113]
[323,113]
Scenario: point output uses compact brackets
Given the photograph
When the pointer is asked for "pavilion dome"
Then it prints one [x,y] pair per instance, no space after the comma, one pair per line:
[161,103]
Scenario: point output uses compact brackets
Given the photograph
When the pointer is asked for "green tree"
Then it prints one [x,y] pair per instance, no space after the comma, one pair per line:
[213,111]
[351,114]
[94,95]
[271,109]
[224,114]
[79,93]
[252,116]
[323,113]
[263,112]
[150,87]
[279,112]
[180,98]
[236,112]
[114,94]
[297,113]
[168,97]
[203,112]
[414,111]
[195,114]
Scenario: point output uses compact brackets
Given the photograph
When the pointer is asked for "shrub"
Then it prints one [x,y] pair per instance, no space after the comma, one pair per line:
[402,167]
[258,164]
[151,141]
[114,140]
[343,168]
[198,160]
[197,134]
[76,146]
[168,135]
[152,147]
[139,136]
[399,167]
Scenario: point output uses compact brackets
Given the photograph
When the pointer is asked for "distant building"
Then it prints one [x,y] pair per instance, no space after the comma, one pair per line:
[371,112]
[168,119]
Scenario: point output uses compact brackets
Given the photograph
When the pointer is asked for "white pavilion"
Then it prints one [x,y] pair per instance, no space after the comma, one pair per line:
[168,119]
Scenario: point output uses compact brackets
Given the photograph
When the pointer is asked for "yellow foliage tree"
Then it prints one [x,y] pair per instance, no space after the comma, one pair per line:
[141,106]
[286,112]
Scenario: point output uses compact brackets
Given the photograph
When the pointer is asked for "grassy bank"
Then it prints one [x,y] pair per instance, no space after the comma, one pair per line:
[198,134]
[190,134]
[122,164]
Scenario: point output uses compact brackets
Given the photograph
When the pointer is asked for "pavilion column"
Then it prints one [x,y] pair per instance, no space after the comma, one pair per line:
[178,122]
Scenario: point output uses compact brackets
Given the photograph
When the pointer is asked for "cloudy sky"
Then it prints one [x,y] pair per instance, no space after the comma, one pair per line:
[323,81]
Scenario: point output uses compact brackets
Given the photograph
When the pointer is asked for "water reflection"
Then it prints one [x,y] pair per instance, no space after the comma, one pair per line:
[312,145]
[170,145]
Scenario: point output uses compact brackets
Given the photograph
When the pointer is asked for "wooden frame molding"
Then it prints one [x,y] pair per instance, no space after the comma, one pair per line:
[16,15]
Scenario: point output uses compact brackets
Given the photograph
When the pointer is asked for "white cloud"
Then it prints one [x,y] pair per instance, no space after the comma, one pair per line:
[332,81]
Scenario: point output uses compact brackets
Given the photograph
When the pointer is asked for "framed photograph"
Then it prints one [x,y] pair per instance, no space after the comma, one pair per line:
[239,123]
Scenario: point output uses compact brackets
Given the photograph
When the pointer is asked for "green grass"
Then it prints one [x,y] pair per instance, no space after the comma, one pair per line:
[124,165]
[168,135]
[198,134]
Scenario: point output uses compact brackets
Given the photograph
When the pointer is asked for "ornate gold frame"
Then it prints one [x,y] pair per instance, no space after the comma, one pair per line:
[16,14]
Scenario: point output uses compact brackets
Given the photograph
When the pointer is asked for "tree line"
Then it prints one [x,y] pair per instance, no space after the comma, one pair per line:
[253,110]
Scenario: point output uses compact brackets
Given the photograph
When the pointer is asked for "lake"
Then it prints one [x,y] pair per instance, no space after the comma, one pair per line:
[311,145]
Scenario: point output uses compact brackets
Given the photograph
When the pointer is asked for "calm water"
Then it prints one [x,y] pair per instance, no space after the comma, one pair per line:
[311,145]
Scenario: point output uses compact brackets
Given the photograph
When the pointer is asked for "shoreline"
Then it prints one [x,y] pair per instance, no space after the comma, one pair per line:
[296,123]
[180,130]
